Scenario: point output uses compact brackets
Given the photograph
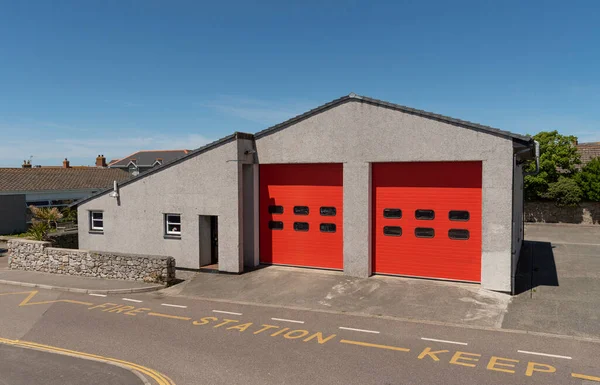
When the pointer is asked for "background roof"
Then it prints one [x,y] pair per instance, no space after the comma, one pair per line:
[147,158]
[588,151]
[58,178]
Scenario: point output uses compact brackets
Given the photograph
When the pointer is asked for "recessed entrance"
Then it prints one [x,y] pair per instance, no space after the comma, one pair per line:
[209,241]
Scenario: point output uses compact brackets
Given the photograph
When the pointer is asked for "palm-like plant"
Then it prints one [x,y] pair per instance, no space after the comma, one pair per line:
[46,214]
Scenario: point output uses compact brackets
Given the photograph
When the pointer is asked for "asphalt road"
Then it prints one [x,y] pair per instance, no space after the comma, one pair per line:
[215,342]
[21,366]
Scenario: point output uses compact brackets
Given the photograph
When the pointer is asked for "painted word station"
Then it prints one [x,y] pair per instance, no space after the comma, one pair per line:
[435,356]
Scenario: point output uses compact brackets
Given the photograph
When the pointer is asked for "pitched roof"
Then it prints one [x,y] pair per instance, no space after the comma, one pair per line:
[147,158]
[380,103]
[522,139]
[588,151]
[165,165]
[58,178]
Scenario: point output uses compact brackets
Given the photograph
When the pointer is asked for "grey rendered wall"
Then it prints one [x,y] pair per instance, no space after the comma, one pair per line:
[357,134]
[12,214]
[207,184]
[518,230]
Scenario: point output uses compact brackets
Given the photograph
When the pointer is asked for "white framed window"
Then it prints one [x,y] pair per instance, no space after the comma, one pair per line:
[173,224]
[96,220]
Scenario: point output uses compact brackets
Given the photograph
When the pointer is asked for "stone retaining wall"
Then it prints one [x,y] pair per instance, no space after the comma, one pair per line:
[586,213]
[39,256]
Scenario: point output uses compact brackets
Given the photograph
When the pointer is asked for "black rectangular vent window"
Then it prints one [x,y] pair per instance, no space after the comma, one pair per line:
[392,213]
[424,215]
[456,215]
[327,227]
[276,225]
[301,210]
[424,232]
[275,209]
[392,231]
[327,211]
[301,226]
[458,234]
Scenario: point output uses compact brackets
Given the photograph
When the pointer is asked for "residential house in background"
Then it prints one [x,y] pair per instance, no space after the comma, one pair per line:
[49,186]
[141,161]
[588,151]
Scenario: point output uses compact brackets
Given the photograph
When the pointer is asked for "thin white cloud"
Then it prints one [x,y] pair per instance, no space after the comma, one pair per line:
[52,151]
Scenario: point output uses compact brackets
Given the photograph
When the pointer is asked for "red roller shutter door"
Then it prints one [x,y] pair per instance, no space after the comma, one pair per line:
[301,215]
[427,219]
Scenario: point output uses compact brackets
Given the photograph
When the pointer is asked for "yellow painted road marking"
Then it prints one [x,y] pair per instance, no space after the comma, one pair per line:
[170,316]
[370,345]
[32,294]
[585,377]
[160,378]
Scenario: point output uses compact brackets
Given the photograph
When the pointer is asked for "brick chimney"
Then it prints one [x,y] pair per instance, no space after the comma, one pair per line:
[100,161]
[66,163]
[26,164]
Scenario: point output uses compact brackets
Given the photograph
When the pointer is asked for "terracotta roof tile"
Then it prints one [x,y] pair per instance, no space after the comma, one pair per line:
[588,151]
[51,178]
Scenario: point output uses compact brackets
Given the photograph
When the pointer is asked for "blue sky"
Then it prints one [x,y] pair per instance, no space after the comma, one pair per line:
[81,78]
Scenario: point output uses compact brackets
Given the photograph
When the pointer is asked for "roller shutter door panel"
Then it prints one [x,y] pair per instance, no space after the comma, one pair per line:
[438,187]
[294,238]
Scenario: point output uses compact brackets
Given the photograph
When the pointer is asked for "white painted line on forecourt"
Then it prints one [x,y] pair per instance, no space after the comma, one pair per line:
[287,320]
[360,330]
[98,295]
[131,300]
[226,312]
[444,341]
[545,354]
[170,305]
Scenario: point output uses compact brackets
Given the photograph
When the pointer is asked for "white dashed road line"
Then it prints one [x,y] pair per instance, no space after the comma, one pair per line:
[171,305]
[544,354]
[226,312]
[98,295]
[359,330]
[287,320]
[444,341]
[131,300]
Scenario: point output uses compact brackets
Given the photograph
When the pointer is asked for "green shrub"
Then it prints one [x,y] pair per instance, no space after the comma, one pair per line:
[565,192]
[38,230]
[558,158]
[589,180]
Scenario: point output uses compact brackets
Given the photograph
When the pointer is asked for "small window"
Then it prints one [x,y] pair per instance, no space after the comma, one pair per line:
[301,226]
[392,231]
[276,225]
[424,215]
[327,211]
[173,224]
[97,220]
[275,209]
[424,232]
[392,213]
[458,234]
[327,227]
[301,210]
[456,215]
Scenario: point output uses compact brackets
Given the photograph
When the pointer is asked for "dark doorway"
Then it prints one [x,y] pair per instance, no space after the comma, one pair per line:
[214,236]
[209,241]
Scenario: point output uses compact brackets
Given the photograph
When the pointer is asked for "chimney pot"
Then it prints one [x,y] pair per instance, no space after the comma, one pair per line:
[100,161]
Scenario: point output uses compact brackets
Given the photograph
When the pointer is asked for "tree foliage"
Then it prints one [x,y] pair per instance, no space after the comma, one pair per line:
[46,214]
[589,180]
[565,192]
[558,158]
